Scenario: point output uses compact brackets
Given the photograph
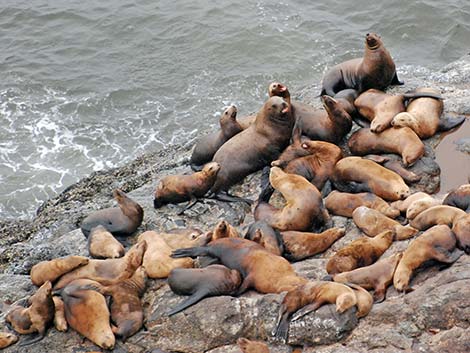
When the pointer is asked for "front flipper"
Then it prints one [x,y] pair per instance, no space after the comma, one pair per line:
[305,310]
[282,324]
[449,123]
[379,293]
[35,339]
[396,81]
[193,299]
[443,255]
[225,196]
[190,252]
[190,204]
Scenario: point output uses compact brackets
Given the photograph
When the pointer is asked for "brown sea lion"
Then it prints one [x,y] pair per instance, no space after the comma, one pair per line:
[461,229]
[207,145]
[343,203]
[364,300]
[60,323]
[300,245]
[401,141]
[346,98]
[437,243]
[182,237]
[459,197]
[420,205]
[223,229]
[51,270]
[248,346]
[36,317]
[200,283]
[372,222]
[269,238]
[87,313]
[7,339]
[395,166]
[360,252]
[441,214]
[182,188]
[304,205]
[402,205]
[102,245]
[375,70]
[109,270]
[356,174]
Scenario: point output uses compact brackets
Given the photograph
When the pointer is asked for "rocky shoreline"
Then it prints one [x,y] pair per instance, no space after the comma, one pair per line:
[433,318]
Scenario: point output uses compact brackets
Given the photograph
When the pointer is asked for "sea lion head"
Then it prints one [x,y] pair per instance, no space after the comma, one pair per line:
[211,169]
[373,41]
[277,110]
[277,89]
[334,108]
[403,192]
[275,173]
[230,113]
[136,253]
[119,195]
[345,301]
[319,148]
[7,339]
[403,119]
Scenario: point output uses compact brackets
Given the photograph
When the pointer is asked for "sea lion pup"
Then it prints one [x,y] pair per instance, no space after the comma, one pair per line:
[343,203]
[60,323]
[437,243]
[200,283]
[36,317]
[223,229]
[120,221]
[372,222]
[401,141]
[300,245]
[395,166]
[109,270]
[102,245]
[7,339]
[402,205]
[309,297]
[304,205]
[459,197]
[356,174]
[207,145]
[441,214]
[461,230]
[377,276]
[375,70]
[51,270]
[265,235]
[248,346]
[261,270]
[360,252]
[87,313]
[182,188]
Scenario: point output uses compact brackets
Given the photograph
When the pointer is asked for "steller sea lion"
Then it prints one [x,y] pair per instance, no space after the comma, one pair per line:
[207,145]
[459,197]
[223,229]
[437,243]
[360,252]
[356,174]
[102,245]
[402,205]
[269,238]
[441,214]
[395,166]
[181,237]
[420,205]
[60,323]
[346,98]
[200,283]
[51,270]
[461,229]
[248,346]
[120,221]
[343,203]
[375,70]
[7,339]
[364,300]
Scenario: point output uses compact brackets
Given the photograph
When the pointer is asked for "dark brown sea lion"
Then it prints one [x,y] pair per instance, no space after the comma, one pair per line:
[360,252]
[248,346]
[461,230]
[395,166]
[441,214]
[304,205]
[120,221]
[102,245]
[401,141]
[7,339]
[346,98]
[265,235]
[356,174]
[207,145]
[377,276]
[182,188]
[375,70]
[459,197]
[60,322]
[344,204]
[200,283]
[51,270]
[437,243]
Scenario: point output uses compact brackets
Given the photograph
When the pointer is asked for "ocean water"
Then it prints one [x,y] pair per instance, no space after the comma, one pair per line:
[87,85]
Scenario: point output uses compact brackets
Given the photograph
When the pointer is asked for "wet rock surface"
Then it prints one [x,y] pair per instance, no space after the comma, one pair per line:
[435,317]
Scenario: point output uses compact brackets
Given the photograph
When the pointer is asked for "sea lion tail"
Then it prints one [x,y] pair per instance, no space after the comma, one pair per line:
[196,297]
[190,252]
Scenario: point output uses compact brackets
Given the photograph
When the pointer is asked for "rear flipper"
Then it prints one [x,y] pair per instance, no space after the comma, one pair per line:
[190,204]
[443,255]
[396,81]
[351,186]
[191,252]
[225,196]
[196,167]
[282,324]
[35,339]
[449,123]
[193,299]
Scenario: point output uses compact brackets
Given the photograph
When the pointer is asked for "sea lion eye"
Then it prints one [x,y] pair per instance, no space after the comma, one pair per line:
[274,105]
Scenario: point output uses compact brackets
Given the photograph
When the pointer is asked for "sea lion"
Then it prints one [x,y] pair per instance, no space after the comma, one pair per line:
[441,214]
[401,141]
[459,197]
[207,145]
[120,221]
[109,270]
[346,98]
[7,339]
[36,317]
[255,147]
[372,222]
[420,205]
[60,323]
[309,297]
[364,300]
[200,283]
[248,346]
[395,166]
[223,229]
[51,270]
[360,252]
[260,269]
[356,174]
[304,207]
[402,205]
[377,276]
[87,313]
[461,229]
[182,188]
[375,70]
[265,235]
[300,245]
[437,243]
[343,203]
[102,245]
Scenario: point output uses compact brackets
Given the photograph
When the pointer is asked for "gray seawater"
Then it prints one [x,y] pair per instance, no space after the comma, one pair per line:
[87,85]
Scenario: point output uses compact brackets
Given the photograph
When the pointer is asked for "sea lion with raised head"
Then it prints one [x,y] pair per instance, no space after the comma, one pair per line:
[51,270]
[223,229]
[459,197]
[441,214]
[269,238]
[102,244]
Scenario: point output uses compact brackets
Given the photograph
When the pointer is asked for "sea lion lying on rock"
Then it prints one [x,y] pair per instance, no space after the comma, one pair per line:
[102,245]
[51,270]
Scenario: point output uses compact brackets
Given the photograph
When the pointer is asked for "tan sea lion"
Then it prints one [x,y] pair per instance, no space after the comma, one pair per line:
[207,145]
[304,205]
[204,282]
[223,229]
[60,323]
[459,197]
[182,237]
[421,205]
[269,238]
[120,221]
[461,229]
[375,69]
[441,214]
[377,276]
[437,243]
[343,203]
[7,339]
[102,245]
[364,300]
[401,141]
[182,188]
[360,252]
[372,222]
[356,174]
[395,166]
[248,346]
[51,270]
[402,205]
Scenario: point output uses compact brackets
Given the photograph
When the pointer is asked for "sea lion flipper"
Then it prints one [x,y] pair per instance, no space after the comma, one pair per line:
[305,310]
[188,206]
[379,293]
[190,252]
[282,324]
[224,196]
[193,299]
[396,81]
[36,338]
[443,255]
[449,123]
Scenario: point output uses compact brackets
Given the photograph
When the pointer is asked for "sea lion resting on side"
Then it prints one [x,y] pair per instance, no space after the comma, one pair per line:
[51,270]
[102,245]
[402,205]
[395,166]
[459,197]
[461,229]
[441,214]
